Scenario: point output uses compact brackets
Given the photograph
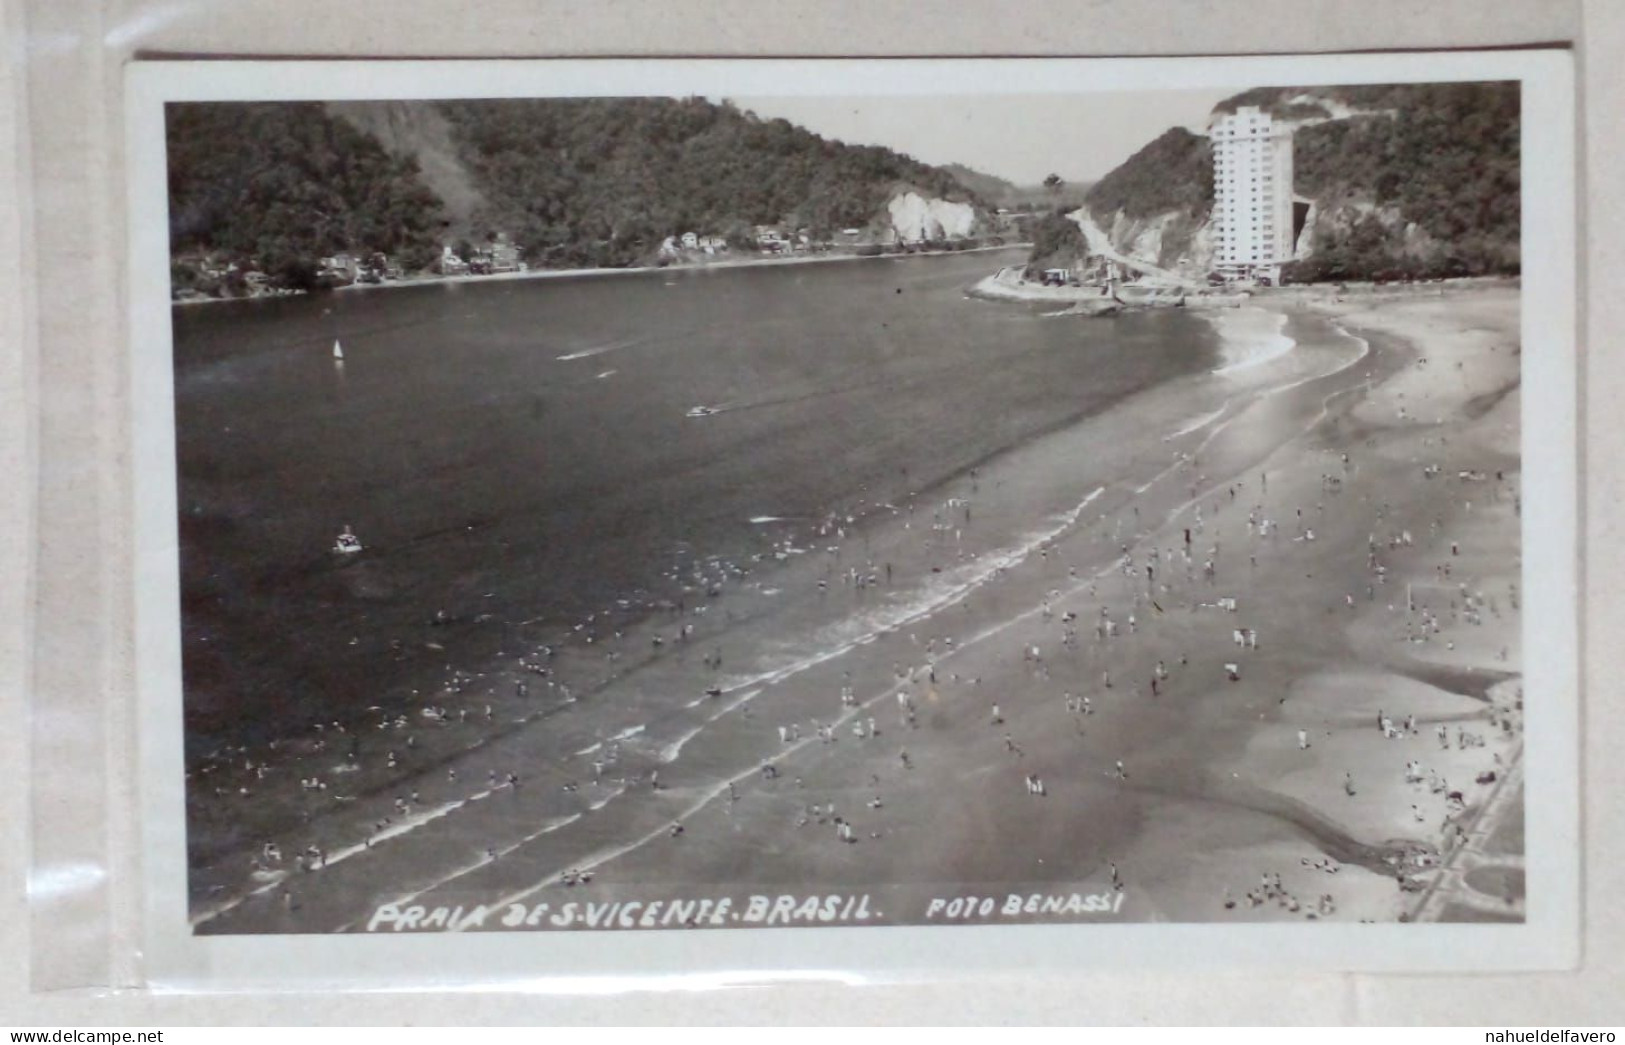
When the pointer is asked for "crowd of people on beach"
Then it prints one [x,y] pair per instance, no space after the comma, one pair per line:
[1191,573]
[1108,625]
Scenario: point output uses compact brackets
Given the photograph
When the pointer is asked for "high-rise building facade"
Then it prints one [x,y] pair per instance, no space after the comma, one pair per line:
[1252,195]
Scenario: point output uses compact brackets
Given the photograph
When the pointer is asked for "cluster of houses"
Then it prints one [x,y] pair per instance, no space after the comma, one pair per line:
[673,246]
[358,268]
[768,239]
[223,272]
[500,255]
[1100,271]
[1094,270]
[215,277]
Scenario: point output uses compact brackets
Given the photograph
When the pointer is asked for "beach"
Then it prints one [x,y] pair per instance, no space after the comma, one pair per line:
[1253,665]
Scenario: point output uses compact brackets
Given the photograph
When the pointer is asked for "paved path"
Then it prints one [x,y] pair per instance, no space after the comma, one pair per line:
[1101,243]
[1453,888]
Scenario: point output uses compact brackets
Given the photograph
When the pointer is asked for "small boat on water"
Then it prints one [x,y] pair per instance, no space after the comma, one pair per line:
[338,350]
[347,543]
[702,411]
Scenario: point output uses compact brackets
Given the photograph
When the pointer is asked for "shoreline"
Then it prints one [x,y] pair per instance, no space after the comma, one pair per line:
[965,786]
[1003,286]
[549,274]
[1007,285]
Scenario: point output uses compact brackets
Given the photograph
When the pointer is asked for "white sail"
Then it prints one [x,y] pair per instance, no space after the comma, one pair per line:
[338,350]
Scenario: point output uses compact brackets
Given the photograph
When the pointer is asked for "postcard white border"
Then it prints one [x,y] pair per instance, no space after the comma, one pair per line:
[175,960]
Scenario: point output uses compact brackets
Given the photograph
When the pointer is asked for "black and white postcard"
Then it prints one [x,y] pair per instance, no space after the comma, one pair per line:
[872,514]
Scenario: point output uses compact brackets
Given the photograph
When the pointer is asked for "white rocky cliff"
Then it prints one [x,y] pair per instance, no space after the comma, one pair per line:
[914,217]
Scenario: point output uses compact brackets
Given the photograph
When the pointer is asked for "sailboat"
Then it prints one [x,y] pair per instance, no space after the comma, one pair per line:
[338,350]
[348,543]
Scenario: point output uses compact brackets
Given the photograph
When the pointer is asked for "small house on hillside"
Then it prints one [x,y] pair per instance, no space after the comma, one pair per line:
[451,264]
[691,241]
[770,240]
[505,255]
[341,267]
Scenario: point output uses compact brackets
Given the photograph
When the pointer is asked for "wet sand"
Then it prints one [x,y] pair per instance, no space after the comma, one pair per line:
[1401,604]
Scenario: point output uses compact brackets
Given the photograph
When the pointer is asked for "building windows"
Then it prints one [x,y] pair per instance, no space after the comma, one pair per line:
[1252,189]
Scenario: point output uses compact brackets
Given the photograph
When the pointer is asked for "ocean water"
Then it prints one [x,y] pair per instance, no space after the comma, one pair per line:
[522,465]
[518,459]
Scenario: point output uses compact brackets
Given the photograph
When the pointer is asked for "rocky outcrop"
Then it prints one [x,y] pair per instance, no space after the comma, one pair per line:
[1159,243]
[1163,240]
[914,218]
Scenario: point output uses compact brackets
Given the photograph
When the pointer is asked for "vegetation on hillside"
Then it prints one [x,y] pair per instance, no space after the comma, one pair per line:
[1173,172]
[993,189]
[1441,159]
[285,184]
[1445,159]
[1284,103]
[574,182]
[602,181]
[1020,199]
[1421,181]
[1057,241]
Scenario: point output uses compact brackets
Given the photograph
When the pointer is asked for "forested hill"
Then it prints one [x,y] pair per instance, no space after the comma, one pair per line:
[1053,192]
[1402,180]
[1415,178]
[1156,202]
[285,184]
[1173,172]
[573,182]
[990,187]
[602,181]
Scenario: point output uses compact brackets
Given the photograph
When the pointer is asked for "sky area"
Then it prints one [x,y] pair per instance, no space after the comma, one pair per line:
[1021,138]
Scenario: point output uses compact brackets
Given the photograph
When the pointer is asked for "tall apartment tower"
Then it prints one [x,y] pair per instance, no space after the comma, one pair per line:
[1252,195]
